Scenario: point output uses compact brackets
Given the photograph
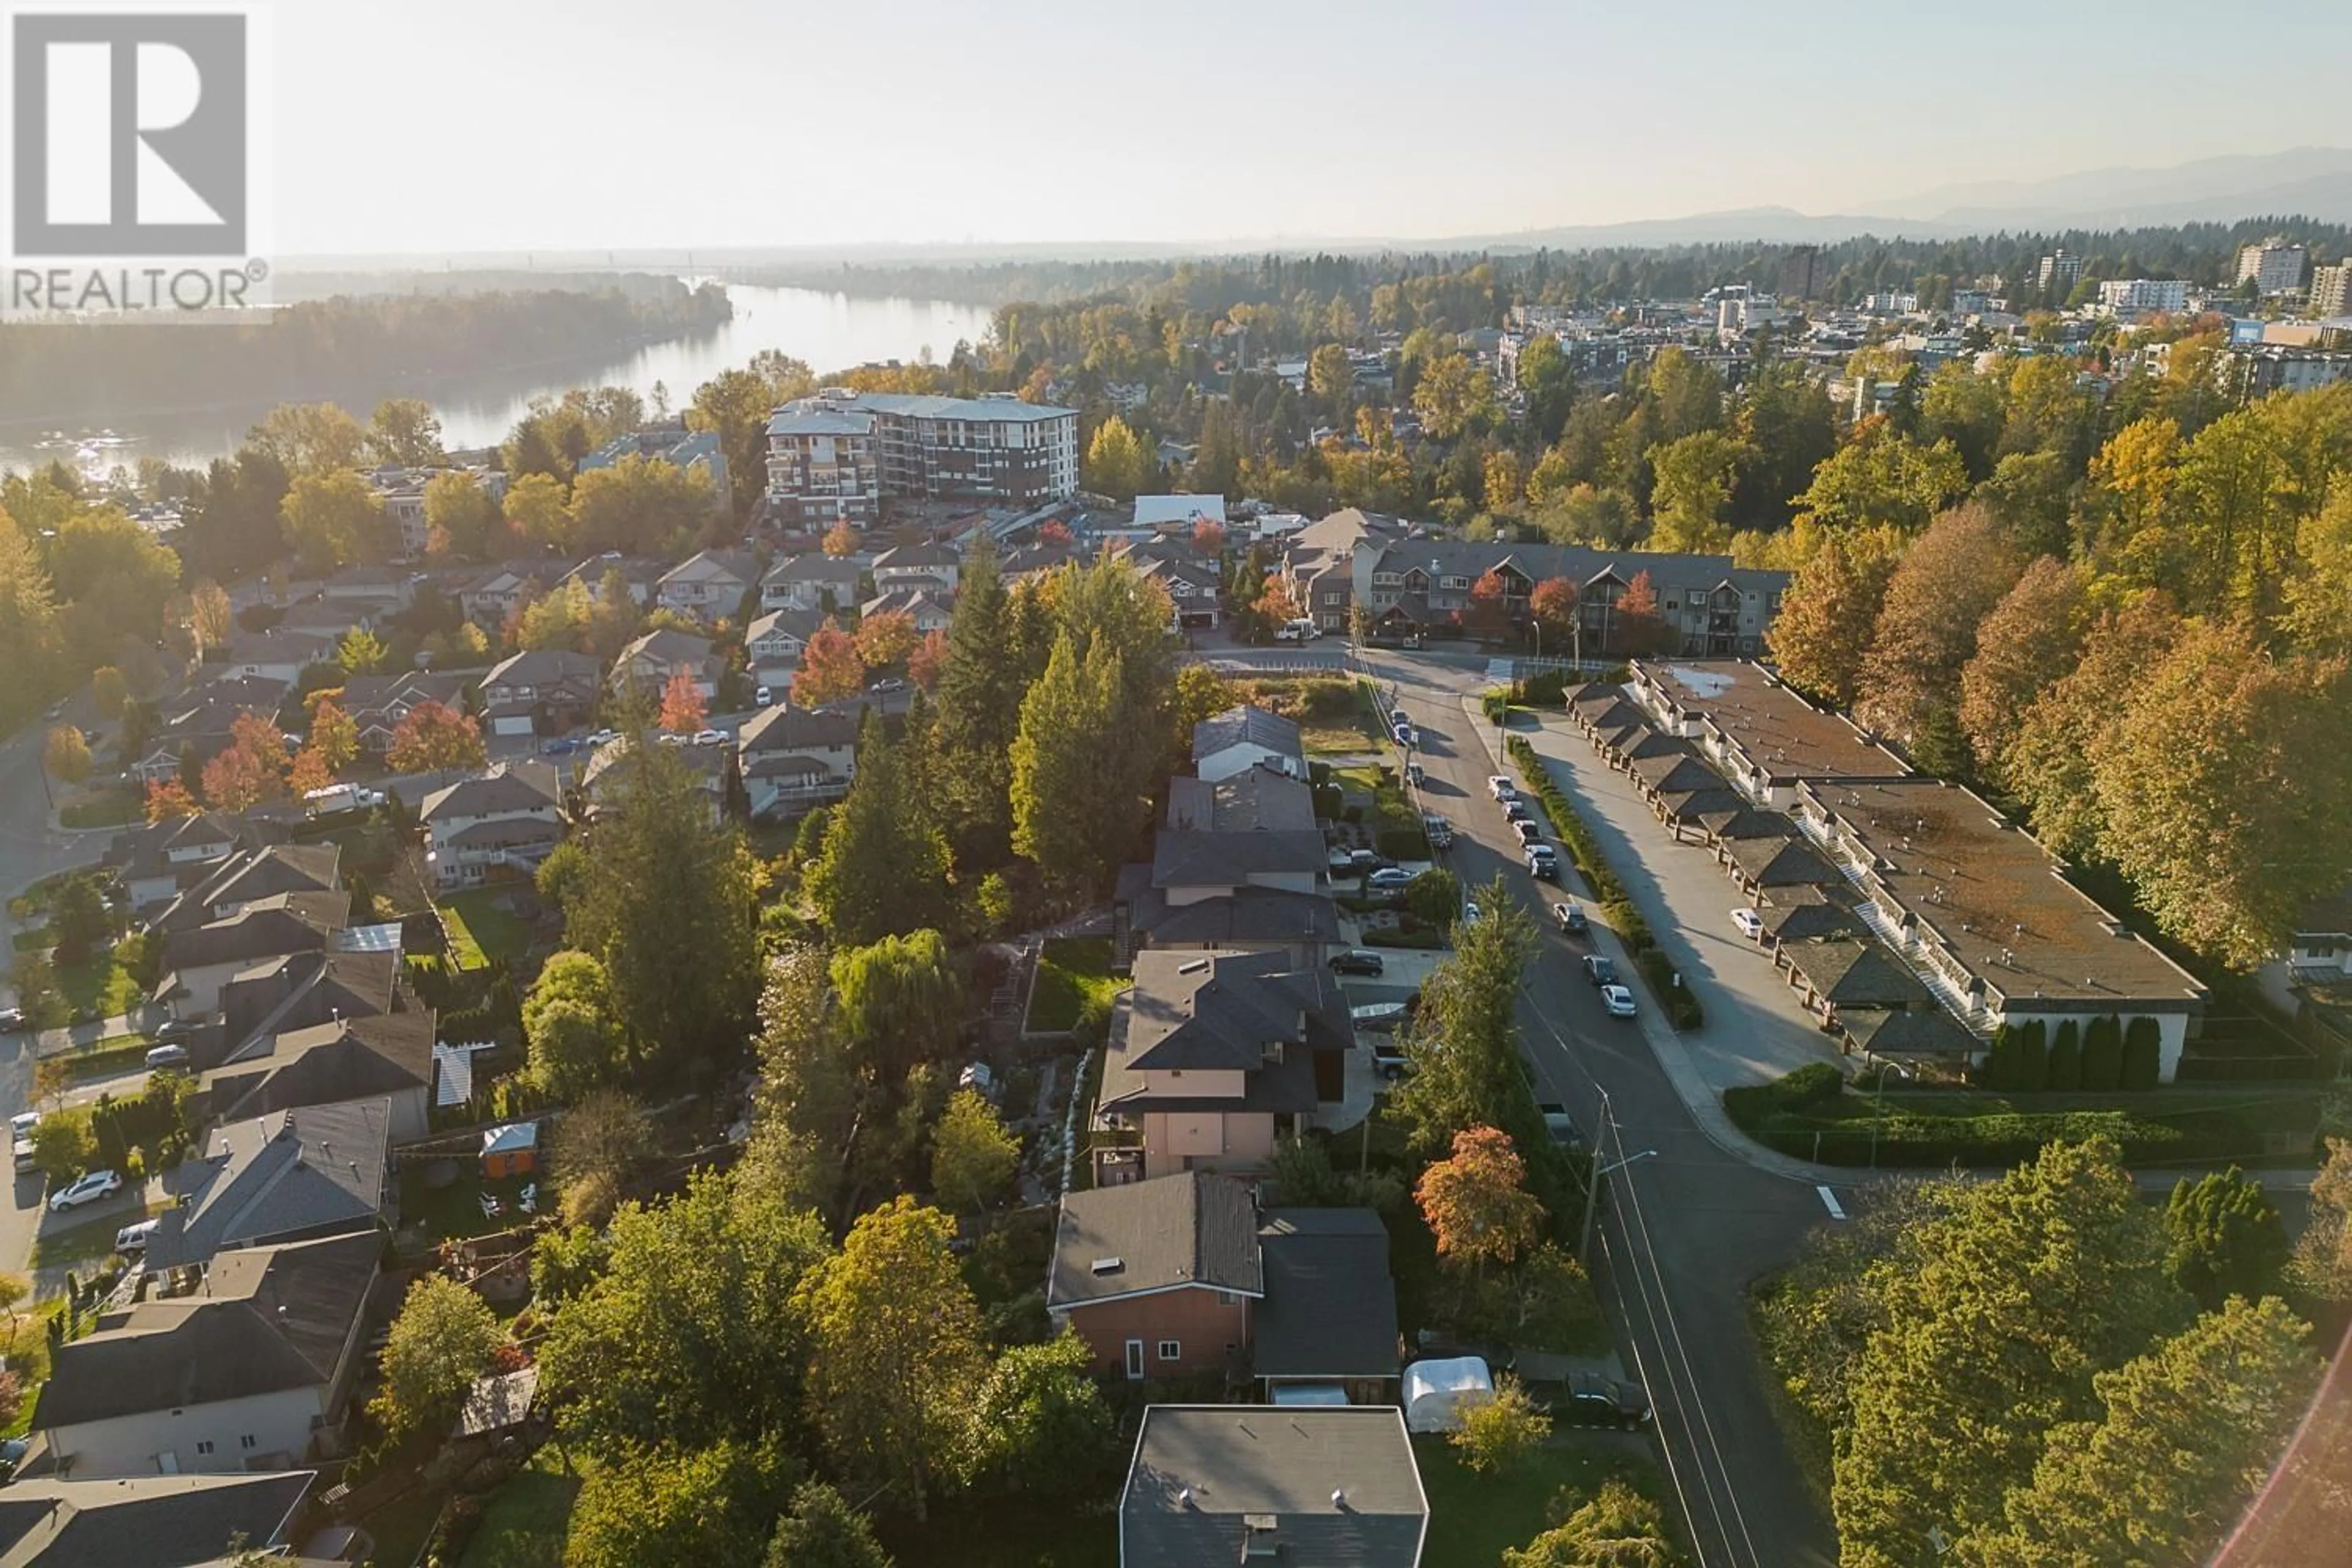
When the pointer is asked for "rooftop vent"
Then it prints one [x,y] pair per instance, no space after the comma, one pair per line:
[1196,966]
[1108,1264]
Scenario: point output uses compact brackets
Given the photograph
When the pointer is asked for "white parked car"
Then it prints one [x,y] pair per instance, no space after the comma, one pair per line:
[710,737]
[1618,1000]
[1470,911]
[88,1190]
[1750,924]
[1500,787]
[133,1237]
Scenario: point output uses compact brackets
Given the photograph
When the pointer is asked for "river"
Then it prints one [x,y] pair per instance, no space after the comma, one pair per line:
[830,331]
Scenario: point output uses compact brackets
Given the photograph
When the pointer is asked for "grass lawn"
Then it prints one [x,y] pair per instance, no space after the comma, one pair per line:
[526,1520]
[480,931]
[1009,1534]
[1071,970]
[108,1057]
[100,983]
[1472,1518]
[455,1210]
[401,1526]
[103,808]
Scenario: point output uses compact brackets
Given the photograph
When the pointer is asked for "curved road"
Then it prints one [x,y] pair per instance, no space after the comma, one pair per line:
[1684,1226]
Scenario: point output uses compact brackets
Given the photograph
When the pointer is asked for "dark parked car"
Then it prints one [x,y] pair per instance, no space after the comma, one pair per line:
[1356,961]
[1589,1399]
[1515,810]
[1601,970]
[1528,831]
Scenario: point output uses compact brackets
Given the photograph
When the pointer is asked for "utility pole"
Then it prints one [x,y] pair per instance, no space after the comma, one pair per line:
[1599,1171]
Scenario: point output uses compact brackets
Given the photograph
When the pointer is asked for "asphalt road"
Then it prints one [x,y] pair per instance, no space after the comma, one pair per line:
[1684,1226]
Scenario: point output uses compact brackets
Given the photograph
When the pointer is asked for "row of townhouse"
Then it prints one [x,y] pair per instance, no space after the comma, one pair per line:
[1911,915]
[1408,584]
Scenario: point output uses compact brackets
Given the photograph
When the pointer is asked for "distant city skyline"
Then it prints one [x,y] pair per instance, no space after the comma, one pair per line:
[448,127]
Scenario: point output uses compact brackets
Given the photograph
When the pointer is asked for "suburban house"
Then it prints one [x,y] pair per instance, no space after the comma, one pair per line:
[198,961]
[933,569]
[291,1175]
[322,616]
[379,704]
[793,758]
[1158,1277]
[251,1370]
[499,822]
[1247,1484]
[254,875]
[1182,1275]
[1239,866]
[927,608]
[640,575]
[812,582]
[159,860]
[490,597]
[1318,563]
[1244,737]
[545,691]
[1195,589]
[278,654]
[607,765]
[773,644]
[385,1059]
[148,1522]
[696,452]
[650,662]
[1211,1058]
[298,990]
[199,726]
[709,585]
[372,583]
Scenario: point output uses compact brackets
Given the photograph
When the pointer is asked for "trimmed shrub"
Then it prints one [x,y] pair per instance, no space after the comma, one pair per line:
[2032,1061]
[1815,1083]
[2066,1058]
[2102,1054]
[2000,1060]
[2143,1053]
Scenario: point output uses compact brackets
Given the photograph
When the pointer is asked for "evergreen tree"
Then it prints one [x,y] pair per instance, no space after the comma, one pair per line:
[884,867]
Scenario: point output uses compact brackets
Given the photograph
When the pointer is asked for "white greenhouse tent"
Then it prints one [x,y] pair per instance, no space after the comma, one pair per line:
[1437,1391]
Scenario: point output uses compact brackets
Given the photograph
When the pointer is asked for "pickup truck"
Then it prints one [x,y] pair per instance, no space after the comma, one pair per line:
[339,798]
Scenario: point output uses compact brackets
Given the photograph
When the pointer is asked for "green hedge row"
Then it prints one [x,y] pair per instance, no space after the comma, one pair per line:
[1682,1007]
[1798,1115]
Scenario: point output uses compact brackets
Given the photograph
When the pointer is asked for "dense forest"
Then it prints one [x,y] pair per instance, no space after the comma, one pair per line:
[343,348]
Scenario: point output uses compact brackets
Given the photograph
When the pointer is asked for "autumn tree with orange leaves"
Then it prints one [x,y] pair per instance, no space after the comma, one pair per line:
[432,737]
[923,664]
[168,800]
[1476,1203]
[830,669]
[682,707]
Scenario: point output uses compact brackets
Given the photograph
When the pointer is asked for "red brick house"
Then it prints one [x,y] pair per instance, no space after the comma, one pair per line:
[1183,1275]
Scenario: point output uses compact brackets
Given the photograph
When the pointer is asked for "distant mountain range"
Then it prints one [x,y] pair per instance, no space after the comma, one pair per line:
[2308,182]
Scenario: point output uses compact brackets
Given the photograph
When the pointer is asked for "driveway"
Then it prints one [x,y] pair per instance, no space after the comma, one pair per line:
[1755,1029]
[1686,1226]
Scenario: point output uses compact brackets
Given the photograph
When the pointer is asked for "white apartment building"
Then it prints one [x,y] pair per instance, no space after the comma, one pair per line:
[2272,265]
[836,456]
[2135,296]
[2331,289]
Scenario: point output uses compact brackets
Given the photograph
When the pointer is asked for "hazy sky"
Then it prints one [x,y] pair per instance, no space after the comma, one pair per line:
[435,125]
